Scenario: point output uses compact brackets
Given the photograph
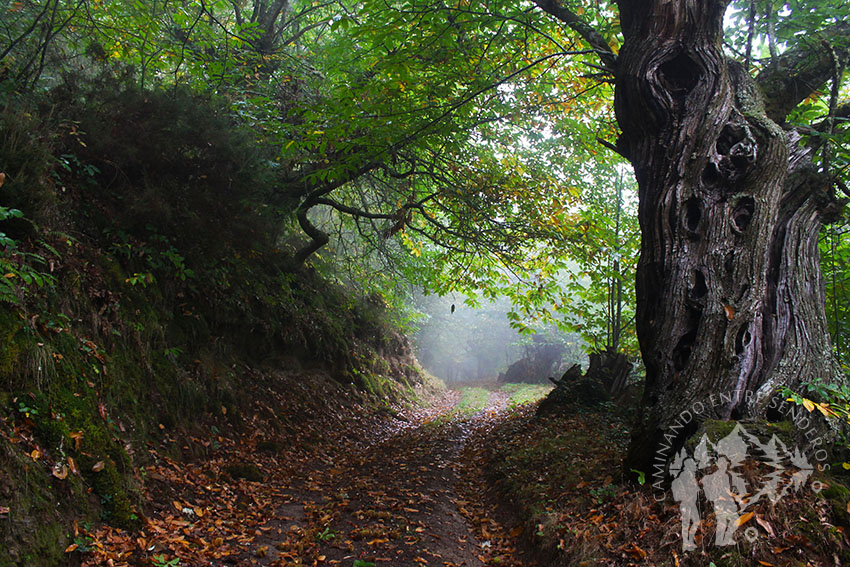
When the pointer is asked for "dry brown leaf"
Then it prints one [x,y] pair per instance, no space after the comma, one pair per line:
[77,436]
[636,552]
[98,466]
[765,526]
[60,471]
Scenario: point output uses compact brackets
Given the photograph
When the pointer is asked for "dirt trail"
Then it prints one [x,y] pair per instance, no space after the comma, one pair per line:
[400,503]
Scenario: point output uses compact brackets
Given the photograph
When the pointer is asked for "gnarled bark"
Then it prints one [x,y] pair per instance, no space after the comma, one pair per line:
[730,297]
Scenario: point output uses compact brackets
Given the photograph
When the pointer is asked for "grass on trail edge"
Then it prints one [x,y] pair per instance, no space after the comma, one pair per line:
[476,399]
[522,394]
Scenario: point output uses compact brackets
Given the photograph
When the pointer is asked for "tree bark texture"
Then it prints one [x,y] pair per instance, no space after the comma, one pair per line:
[730,297]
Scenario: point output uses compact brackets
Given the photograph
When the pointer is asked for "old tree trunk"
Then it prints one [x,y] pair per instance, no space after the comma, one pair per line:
[730,296]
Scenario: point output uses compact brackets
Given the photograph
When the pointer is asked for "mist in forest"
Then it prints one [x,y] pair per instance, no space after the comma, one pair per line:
[459,343]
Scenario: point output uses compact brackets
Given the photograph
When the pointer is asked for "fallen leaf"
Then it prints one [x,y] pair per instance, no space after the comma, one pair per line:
[766,525]
[744,519]
[636,552]
[730,312]
[98,466]
[71,548]
[60,471]
[77,436]
[36,454]
[72,464]
[765,563]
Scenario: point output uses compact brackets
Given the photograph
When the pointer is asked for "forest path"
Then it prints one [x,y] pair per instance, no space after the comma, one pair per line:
[408,499]
[352,486]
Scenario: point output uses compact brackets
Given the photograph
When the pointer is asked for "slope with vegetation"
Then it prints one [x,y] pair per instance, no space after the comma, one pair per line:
[145,297]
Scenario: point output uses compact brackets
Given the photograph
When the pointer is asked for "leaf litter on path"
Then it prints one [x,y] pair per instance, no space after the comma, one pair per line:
[339,487]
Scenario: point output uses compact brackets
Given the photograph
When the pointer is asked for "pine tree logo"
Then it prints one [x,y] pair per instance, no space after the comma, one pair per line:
[715,471]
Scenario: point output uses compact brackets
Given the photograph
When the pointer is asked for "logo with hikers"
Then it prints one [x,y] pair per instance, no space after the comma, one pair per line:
[722,480]
[715,471]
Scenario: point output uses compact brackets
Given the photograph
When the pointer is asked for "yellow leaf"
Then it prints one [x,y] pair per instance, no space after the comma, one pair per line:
[808,404]
[824,409]
[71,548]
[36,454]
[846,466]
[743,519]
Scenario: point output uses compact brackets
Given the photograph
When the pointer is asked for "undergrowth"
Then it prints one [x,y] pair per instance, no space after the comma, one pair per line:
[141,278]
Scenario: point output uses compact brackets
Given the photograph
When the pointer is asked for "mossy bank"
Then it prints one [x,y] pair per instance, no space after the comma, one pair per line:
[146,282]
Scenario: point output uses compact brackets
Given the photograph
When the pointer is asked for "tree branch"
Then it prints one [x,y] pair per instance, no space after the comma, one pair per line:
[799,72]
[353,211]
[590,35]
